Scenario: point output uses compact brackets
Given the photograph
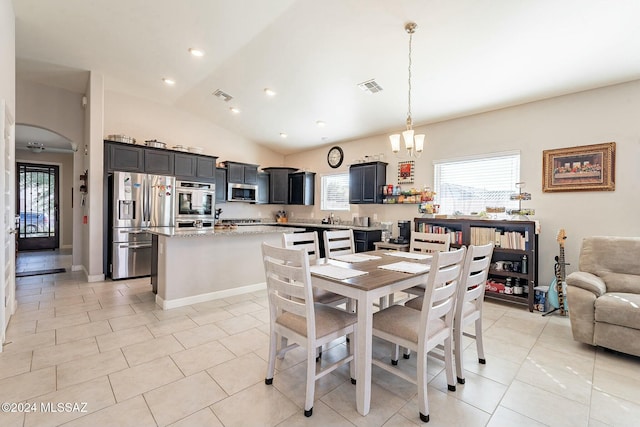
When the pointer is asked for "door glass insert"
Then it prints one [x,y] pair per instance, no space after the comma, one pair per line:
[37,206]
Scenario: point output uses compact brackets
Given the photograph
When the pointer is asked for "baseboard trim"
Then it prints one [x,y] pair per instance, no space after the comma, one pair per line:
[78,268]
[210,296]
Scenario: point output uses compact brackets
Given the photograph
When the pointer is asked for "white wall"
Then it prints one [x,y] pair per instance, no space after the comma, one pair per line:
[591,117]
[61,111]
[145,120]
[8,55]
[65,163]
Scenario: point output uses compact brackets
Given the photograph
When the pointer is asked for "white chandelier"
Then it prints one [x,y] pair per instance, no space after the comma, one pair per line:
[413,143]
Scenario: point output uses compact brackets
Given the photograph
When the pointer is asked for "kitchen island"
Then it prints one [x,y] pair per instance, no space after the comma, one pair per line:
[196,265]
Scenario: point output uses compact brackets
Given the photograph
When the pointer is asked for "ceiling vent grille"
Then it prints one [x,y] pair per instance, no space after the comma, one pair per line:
[370,86]
[223,95]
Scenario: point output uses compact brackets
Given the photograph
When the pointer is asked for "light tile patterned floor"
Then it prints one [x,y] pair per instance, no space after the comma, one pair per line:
[108,345]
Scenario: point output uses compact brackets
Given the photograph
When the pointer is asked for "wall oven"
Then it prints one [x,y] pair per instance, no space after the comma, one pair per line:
[195,204]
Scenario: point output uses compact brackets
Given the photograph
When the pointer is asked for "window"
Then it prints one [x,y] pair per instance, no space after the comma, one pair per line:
[335,192]
[471,184]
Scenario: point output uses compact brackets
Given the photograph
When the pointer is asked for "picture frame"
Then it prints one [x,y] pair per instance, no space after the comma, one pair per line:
[581,168]
[405,172]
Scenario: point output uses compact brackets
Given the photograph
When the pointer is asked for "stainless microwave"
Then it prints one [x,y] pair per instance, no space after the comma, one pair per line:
[242,193]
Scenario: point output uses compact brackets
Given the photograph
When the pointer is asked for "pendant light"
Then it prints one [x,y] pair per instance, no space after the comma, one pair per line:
[414,144]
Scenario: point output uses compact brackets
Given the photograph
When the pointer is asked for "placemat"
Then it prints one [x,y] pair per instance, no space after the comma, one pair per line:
[355,257]
[335,272]
[410,255]
[406,267]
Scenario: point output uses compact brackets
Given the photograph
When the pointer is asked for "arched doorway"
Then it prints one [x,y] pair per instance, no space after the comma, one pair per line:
[38,186]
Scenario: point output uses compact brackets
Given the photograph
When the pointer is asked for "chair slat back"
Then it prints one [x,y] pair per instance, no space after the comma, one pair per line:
[288,281]
[442,284]
[338,242]
[429,242]
[307,240]
[474,275]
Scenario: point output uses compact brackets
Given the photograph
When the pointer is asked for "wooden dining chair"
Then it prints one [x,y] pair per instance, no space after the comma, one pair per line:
[426,243]
[338,242]
[423,330]
[468,303]
[309,242]
[295,317]
[429,242]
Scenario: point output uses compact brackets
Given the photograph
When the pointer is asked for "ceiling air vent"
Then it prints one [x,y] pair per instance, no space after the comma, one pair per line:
[223,95]
[370,86]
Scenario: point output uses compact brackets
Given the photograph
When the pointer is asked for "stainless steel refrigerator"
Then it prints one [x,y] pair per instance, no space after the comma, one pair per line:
[140,201]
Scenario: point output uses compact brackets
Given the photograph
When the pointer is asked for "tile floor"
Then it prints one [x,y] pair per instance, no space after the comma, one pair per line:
[108,345]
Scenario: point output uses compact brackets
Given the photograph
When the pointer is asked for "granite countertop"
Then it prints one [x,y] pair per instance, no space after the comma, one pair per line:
[205,232]
[318,225]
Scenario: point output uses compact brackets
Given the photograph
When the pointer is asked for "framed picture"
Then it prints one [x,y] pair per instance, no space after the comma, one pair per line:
[405,172]
[584,168]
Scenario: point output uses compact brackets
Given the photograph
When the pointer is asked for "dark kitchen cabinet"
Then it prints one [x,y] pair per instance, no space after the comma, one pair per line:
[242,173]
[206,167]
[301,188]
[185,165]
[364,240]
[158,161]
[194,167]
[124,157]
[279,185]
[263,188]
[365,179]
[221,185]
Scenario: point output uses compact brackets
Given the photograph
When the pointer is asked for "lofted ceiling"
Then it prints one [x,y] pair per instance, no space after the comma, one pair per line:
[469,56]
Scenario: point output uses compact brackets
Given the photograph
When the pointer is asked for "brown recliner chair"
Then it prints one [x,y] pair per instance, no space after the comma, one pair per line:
[604,295]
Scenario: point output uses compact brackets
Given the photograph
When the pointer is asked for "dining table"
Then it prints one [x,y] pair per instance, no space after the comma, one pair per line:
[366,277]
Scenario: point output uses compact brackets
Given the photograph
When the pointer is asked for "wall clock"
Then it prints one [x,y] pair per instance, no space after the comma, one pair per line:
[335,157]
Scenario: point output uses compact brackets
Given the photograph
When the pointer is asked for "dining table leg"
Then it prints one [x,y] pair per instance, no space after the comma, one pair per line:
[364,350]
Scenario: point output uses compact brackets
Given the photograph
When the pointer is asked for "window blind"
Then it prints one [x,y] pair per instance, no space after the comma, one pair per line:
[470,185]
[335,192]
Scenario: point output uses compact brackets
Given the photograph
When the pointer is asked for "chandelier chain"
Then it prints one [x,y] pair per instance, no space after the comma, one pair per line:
[409,120]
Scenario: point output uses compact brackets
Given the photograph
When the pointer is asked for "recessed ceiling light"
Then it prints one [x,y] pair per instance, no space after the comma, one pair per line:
[196,52]
[283,135]
[234,110]
[320,124]
[269,92]
[170,82]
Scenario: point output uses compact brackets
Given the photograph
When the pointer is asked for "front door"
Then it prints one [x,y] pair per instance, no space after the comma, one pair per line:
[7,220]
[37,204]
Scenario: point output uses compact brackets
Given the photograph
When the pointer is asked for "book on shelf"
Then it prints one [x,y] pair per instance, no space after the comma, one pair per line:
[456,235]
[500,238]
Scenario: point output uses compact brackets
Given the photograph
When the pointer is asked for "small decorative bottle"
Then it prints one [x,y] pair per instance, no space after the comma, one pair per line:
[524,267]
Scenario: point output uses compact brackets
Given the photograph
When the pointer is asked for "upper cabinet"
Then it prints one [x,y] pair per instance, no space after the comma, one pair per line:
[279,185]
[124,157]
[364,181]
[158,161]
[263,188]
[195,167]
[301,188]
[221,185]
[242,173]
[134,158]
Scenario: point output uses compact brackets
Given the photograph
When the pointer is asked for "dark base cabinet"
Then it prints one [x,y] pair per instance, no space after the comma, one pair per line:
[364,240]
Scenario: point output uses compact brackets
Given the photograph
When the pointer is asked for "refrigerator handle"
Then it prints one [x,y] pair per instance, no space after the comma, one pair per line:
[145,202]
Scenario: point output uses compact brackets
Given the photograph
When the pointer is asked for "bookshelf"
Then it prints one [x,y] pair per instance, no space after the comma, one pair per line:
[513,239]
